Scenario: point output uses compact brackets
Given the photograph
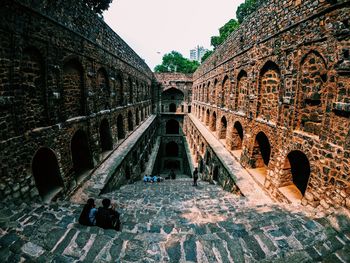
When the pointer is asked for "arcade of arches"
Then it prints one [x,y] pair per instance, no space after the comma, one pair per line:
[284,116]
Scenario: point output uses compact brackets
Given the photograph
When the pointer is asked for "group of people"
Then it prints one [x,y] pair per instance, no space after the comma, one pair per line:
[105,216]
[152,179]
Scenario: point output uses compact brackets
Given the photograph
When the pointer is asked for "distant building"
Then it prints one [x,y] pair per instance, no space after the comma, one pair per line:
[197,53]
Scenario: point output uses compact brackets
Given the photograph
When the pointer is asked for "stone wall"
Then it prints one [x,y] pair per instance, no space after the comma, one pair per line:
[71,91]
[277,94]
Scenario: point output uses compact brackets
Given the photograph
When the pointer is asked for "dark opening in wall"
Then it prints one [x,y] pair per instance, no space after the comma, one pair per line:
[172,127]
[216,174]
[120,126]
[172,107]
[300,169]
[82,160]
[46,172]
[262,150]
[237,136]
[213,122]
[189,109]
[172,149]
[223,130]
[130,121]
[105,136]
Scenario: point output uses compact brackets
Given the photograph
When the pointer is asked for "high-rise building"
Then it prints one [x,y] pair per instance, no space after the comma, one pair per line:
[197,53]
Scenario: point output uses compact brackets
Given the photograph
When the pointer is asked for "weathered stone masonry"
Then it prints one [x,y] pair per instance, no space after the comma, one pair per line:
[71,91]
[277,94]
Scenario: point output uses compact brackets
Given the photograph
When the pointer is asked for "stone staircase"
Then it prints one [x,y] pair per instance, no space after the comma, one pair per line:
[174,222]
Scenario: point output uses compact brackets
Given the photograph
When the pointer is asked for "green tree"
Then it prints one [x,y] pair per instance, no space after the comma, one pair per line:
[175,62]
[246,8]
[98,6]
[224,31]
[206,55]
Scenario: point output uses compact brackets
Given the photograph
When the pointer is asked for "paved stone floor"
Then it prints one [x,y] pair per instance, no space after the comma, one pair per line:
[174,222]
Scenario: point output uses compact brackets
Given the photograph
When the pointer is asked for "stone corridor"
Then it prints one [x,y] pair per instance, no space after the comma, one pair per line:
[175,222]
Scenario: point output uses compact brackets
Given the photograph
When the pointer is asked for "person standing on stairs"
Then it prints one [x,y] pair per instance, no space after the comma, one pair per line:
[195,176]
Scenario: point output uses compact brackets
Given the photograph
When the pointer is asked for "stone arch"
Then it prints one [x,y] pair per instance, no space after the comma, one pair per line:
[172,127]
[131,90]
[297,170]
[203,114]
[33,89]
[312,93]
[237,136]
[172,107]
[81,155]
[105,136]
[223,128]
[242,92]
[103,90]
[214,93]
[225,91]
[172,149]
[120,89]
[130,121]
[213,122]
[268,92]
[46,172]
[207,117]
[208,93]
[73,98]
[261,151]
[137,117]
[120,127]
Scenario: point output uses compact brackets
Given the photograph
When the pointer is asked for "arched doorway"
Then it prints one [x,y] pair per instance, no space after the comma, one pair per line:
[172,127]
[223,128]
[237,136]
[261,152]
[130,121]
[46,172]
[213,122]
[120,126]
[105,136]
[216,174]
[81,156]
[172,107]
[297,170]
[172,149]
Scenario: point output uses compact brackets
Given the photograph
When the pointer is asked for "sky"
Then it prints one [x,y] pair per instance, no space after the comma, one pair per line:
[153,28]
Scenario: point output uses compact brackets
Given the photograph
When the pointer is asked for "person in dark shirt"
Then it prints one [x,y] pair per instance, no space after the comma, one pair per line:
[106,217]
[195,176]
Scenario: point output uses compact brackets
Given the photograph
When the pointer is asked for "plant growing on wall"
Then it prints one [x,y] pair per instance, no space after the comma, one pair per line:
[98,6]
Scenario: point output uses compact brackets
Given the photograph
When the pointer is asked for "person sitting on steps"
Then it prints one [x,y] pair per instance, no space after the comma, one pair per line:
[107,218]
[88,215]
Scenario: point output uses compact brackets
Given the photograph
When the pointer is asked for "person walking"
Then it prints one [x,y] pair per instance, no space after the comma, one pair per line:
[195,176]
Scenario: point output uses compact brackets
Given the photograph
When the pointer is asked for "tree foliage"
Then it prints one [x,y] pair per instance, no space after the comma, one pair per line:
[98,6]
[206,55]
[246,8]
[175,62]
[224,31]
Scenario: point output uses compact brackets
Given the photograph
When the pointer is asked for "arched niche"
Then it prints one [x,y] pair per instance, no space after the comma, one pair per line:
[172,149]
[223,128]
[269,87]
[81,155]
[130,121]
[105,136]
[46,173]
[120,127]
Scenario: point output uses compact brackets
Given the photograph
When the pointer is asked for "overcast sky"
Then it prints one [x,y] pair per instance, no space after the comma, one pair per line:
[156,27]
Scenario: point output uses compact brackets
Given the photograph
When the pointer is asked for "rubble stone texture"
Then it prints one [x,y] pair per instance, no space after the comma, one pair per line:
[266,119]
